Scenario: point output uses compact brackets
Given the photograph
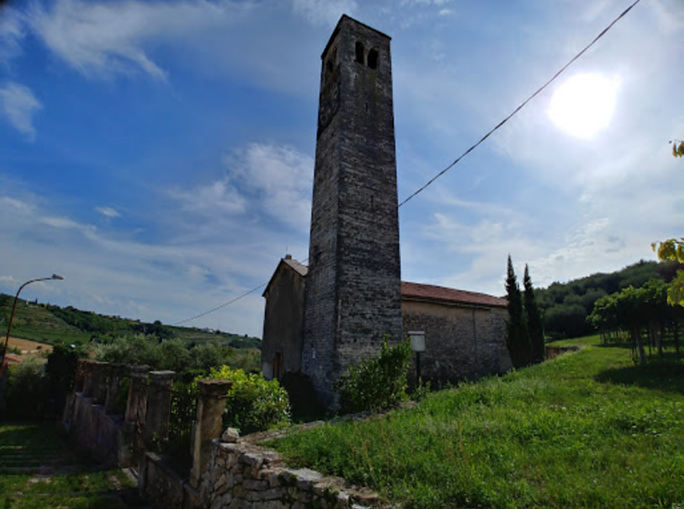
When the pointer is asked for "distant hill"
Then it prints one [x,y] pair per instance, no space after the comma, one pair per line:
[566,305]
[49,323]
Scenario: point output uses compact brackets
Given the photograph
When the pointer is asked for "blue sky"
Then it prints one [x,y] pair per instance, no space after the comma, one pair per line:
[159,155]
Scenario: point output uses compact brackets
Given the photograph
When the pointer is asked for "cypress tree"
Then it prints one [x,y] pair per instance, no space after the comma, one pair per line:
[516,335]
[535,328]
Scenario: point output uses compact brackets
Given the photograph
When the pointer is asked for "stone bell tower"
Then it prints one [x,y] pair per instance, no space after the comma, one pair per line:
[353,287]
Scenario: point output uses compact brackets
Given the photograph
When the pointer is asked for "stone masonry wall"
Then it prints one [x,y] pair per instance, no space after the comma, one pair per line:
[461,342]
[242,475]
[353,292]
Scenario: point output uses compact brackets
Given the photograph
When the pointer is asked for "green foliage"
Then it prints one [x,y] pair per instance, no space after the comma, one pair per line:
[587,429]
[377,383]
[517,338]
[60,373]
[172,354]
[673,249]
[51,324]
[252,403]
[634,310]
[26,393]
[677,148]
[565,306]
[533,321]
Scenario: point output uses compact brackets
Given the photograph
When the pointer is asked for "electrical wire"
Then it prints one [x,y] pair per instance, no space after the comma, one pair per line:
[522,105]
[222,305]
[229,302]
[425,186]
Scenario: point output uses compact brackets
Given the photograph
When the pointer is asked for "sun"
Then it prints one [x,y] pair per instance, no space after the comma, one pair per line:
[583,105]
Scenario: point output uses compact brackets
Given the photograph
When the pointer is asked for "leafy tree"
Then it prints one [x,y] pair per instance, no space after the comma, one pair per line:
[565,307]
[673,249]
[517,338]
[533,321]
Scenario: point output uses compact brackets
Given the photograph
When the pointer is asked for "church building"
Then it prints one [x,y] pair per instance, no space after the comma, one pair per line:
[323,317]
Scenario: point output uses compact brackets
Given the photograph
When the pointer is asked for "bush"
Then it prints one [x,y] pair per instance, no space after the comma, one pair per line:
[253,403]
[60,372]
[26,390]
[377,383]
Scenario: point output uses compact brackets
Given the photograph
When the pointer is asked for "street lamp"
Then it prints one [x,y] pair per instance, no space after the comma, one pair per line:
[14,306]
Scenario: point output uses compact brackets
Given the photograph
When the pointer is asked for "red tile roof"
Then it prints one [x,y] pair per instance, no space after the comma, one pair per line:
[416,290]
[440,293]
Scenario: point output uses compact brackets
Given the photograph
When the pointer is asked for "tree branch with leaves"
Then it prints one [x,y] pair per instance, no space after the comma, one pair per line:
[673,249]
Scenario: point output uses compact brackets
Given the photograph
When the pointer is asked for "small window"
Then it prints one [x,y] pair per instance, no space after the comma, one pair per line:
[328,68]
[359,52]
[373,59]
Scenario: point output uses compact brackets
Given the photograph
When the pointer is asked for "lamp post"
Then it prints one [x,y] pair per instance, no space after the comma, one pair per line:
[418,346]
[14,307]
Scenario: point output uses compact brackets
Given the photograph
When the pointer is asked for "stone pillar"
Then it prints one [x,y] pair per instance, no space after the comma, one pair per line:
[78,382]
[158,407]
[87,375]
[130,442]
[209,424]
[117,372]
[99,382]
[137,395]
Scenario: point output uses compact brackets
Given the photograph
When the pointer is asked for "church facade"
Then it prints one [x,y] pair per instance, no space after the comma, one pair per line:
[464,331]
[336,311]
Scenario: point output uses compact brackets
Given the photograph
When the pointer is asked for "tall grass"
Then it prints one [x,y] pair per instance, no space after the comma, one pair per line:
[584,430]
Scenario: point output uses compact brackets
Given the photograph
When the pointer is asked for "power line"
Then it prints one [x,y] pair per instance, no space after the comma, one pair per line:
[222,305]
[520,107]
[229,302]
[603,32]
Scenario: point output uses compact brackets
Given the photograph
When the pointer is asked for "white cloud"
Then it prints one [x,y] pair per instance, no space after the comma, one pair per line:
[324,12]
[160,279]
[19,105]
[268,180]
[281,178]
[11,33]
[211,200]
[102,39]
[108,211]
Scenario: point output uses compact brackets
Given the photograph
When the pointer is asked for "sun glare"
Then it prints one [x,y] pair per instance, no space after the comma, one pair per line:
[584,104]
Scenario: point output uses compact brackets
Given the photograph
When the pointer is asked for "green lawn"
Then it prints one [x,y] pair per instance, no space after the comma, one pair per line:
[39,470]
[588,429]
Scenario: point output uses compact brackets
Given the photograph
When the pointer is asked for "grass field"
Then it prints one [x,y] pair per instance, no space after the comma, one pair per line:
[38,470]
[587,429]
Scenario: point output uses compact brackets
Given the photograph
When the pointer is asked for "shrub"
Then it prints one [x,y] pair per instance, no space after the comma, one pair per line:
[376,383]
[26,390]
[60,372]
[253,403]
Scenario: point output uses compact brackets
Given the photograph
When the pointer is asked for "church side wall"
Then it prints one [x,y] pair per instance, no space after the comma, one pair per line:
[461,342]
[283,323]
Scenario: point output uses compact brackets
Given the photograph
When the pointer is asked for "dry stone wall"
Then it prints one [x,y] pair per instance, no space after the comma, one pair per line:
[243,475]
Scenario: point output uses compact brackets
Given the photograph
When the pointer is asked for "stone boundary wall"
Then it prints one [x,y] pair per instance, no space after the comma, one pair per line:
[95,431]
[231,473]
[244,475]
